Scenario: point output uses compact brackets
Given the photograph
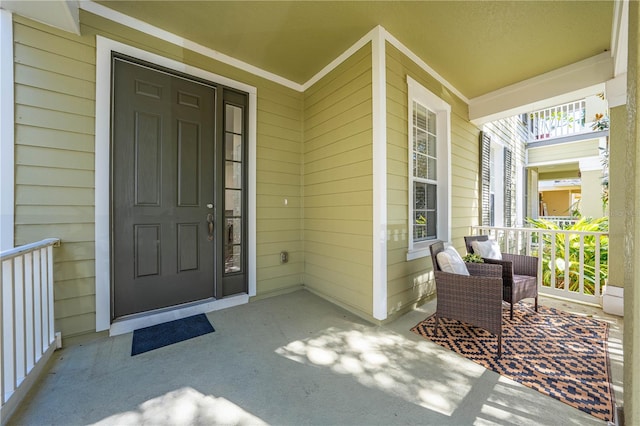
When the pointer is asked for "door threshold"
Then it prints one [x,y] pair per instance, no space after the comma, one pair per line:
[146,319]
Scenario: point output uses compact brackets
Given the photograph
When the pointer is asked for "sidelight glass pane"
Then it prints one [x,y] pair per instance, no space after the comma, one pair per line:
[233,147]
[233,235]
[233,172]
[233,119]
[233,202]
[233,258]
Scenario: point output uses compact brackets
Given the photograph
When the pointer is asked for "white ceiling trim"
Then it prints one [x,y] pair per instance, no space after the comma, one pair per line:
[422,64]
[138,25]
[154,31]
[559,86]
[369,37]
[620,36]
[62,14]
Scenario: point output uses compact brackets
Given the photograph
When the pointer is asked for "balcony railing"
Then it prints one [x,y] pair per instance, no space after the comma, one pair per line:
[27,333]
[559,121]
[574,264]
[560,221]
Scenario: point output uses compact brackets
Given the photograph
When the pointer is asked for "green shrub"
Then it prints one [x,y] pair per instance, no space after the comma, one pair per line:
[589,263]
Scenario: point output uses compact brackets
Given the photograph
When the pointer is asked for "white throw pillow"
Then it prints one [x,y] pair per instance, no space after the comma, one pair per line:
[450,261]
[488,249]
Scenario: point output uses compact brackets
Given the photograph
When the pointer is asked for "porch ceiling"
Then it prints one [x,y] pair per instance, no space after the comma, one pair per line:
[478,46]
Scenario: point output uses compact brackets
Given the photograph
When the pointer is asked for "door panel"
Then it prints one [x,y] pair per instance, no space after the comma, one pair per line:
[162,181]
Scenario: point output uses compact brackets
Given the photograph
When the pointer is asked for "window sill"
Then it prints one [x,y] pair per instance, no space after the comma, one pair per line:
[420,250]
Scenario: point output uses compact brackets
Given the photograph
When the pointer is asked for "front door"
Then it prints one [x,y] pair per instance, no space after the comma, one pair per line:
[163,216]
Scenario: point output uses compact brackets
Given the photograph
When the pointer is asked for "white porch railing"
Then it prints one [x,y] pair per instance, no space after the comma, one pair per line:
[560,221]
[574,264]
[558,121]
[26,320]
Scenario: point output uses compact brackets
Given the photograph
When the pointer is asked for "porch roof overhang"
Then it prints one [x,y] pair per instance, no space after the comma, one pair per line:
[504,59]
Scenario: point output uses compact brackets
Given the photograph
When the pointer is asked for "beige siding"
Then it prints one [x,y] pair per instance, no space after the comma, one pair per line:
[408,281]
[513,135]
[55,113]
[570,151]
[338,179]
[54,95]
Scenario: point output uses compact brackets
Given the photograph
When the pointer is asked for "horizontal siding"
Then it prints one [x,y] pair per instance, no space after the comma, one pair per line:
[338,178]
[409,281]
[513,134]
[55,107]
[55,145]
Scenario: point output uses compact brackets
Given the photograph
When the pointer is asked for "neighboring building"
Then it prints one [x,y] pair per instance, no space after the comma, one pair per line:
[545,163]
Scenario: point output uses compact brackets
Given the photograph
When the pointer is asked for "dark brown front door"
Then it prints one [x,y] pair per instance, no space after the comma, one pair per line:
[162,189]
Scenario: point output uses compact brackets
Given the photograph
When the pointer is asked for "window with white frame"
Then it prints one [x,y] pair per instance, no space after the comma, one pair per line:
[429,169]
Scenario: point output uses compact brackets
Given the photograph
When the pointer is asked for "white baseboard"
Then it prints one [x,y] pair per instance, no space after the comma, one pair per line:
[613,300]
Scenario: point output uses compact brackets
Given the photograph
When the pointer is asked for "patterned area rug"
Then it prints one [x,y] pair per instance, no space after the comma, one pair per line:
[559,354]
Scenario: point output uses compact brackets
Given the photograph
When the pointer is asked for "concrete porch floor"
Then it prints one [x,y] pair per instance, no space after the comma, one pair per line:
[293,359]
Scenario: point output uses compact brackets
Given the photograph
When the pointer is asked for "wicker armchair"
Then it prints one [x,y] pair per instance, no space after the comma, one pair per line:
[475,299]
[519,274]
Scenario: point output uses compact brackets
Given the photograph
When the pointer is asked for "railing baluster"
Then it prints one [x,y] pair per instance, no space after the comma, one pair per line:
[18,317]
[552,261]
[37,303]
[548,260]
[8,371]
[29,310]
[596,289]
[567,263]
[26,317]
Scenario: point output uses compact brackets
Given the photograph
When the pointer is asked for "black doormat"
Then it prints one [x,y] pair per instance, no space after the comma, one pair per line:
[154,337]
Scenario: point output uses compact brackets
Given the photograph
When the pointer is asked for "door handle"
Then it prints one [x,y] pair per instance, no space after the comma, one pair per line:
[210,226]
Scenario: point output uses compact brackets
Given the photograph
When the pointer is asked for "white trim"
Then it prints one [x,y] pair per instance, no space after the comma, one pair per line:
[104,47]
[379,124]
[613,300]
[7,125]
[138,25]
[252,191]
[590,164]
[407,52]
[555,87]
[616,91]
[416,91]
[127,325]
[620,37]
[369,37]
[563,161]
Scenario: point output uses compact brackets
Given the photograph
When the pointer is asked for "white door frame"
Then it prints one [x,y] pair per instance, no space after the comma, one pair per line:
[104,47]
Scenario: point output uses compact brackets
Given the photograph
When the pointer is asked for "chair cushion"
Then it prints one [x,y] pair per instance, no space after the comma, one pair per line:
[488,249]
[450,261]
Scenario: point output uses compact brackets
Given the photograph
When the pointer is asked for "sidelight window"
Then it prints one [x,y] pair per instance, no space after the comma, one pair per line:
[234,188]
